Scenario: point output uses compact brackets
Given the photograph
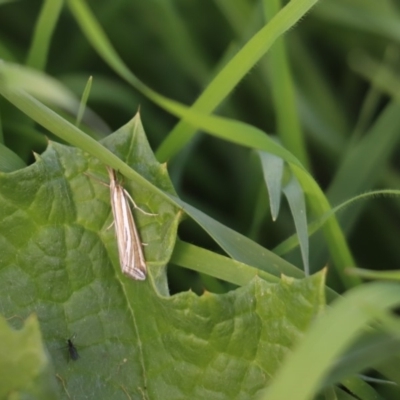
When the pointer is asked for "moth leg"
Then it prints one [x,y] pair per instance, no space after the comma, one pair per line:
[137,207]
[110,226]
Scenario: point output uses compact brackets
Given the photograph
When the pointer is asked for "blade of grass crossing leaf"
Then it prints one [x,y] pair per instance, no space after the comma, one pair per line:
[43,34]
[283,94]
[84,99]
[234,131]
[204,261]
[212,284]
[238,246]
[272,167]
[277,26]
[327,339]
[295,196]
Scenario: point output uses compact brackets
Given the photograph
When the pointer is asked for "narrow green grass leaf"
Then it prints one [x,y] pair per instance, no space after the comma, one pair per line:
[221,86]
[373,98]
[297,204]
[50,91]
[234,71]
[292,242]
[240,247]
[322,111]
[177,38]
[272,168]
[369,274]
[379,74]
[44,31]
[286,17]
[84,99]
[204,261]
[371,155]
[283,92]
[231,130]
[328,338]
[236,245]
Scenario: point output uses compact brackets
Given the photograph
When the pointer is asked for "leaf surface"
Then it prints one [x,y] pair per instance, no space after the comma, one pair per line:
[59,259]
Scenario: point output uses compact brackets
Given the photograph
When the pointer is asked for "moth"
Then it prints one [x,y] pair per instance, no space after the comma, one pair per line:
[130,250]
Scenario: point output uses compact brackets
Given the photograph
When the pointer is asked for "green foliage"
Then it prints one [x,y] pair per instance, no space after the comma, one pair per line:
[25,367]
[62,263]
[325,85]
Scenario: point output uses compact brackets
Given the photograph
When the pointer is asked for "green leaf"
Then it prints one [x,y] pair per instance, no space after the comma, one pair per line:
[368,274]
[44,31]
[51,92]
[24,364]
[84,99]
[59,259]
[297,204]
[283,92]
[272,167]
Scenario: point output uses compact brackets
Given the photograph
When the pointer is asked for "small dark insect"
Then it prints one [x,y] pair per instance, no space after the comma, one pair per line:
[73,352]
